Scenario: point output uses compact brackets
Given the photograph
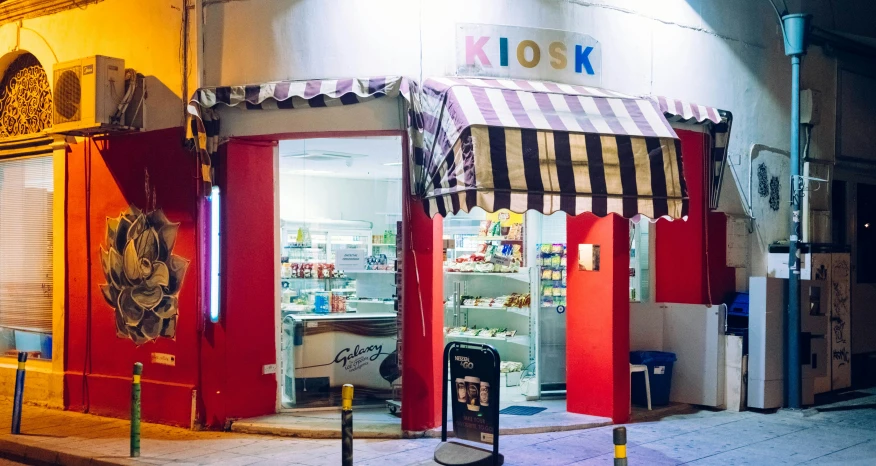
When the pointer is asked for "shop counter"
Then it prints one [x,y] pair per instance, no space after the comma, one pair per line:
[330,350]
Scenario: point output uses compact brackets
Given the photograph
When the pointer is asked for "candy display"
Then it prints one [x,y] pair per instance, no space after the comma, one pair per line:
[310,270]
[481,263]
[515,300]
[378,262]
[510,366]
[479,332]
[552,272]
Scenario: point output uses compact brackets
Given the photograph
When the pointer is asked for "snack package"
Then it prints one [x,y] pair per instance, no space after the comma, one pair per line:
[555,261]
[484,229]
[496,229]
[545,248]
[557,248]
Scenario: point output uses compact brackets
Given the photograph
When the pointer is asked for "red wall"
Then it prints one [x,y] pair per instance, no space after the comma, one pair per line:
[423,308]
[598,320]
[103,178]
[237,347]
[681,246]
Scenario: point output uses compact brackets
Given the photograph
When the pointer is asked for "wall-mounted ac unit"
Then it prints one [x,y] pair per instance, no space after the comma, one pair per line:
[86,94]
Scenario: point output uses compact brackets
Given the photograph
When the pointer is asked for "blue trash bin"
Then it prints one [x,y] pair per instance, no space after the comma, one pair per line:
[660,377]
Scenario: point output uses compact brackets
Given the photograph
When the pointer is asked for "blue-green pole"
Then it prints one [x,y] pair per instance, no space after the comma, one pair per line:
[794,31]
[19,393]
[135,410]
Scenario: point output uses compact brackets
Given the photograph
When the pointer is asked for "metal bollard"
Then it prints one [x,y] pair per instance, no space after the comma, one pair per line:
[135,411]
[19,393]
[620,446]
[347,425]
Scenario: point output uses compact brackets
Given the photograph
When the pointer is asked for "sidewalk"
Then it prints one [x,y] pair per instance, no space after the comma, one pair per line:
[840,433]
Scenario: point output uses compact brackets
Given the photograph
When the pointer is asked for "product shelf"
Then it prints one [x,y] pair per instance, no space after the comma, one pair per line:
[523,311]
[371,301]
[487,239]
[343,290]
[522,276]
[369,271]
[522,340]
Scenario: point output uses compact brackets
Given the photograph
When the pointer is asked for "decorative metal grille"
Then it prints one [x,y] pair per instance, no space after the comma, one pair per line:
[25,98]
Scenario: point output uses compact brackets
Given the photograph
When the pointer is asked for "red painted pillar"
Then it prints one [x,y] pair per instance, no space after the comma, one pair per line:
[598,320]
[423,319]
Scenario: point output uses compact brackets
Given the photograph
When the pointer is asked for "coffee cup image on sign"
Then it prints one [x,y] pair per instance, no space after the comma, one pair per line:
[472,384]
[484,395]
[461,391]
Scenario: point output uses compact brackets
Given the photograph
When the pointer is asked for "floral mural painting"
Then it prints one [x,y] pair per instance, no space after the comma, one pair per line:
[143,275]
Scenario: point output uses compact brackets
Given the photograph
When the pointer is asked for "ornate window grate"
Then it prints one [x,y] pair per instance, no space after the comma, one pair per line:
[25,98]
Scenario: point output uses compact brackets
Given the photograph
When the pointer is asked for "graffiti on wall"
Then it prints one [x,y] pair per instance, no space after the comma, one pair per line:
[143,275]
[770,196]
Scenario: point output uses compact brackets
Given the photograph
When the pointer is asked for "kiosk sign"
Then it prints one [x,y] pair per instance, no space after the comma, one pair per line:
[474,378]
[528,53]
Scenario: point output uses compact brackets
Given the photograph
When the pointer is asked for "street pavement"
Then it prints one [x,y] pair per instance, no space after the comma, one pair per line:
[841,433]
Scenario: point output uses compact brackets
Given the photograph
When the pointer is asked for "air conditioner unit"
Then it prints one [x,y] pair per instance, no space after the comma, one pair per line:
[86,94]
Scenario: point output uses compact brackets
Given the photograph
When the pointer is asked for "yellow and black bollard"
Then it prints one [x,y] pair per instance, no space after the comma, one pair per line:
[620,446]
[135,411]
[19,393]
[347,425]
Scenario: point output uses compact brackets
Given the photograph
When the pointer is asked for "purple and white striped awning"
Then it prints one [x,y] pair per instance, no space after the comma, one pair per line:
[527,145]
[718,124]
[203,127]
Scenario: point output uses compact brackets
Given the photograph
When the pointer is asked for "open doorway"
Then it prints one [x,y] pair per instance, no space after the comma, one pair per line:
[339,214]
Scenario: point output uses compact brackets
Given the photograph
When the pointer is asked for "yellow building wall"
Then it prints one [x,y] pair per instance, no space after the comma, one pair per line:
[147,35]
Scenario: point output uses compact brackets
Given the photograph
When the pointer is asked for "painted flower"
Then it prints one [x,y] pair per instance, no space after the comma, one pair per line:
[143,275]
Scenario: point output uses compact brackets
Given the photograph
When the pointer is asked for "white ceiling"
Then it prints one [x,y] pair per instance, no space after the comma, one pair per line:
[362,157]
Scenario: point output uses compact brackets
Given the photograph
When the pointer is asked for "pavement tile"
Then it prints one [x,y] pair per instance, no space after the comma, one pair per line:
[237,460]
[838,436]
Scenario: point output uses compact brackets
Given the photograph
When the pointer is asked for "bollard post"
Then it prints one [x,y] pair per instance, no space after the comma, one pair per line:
[135,411]
[19,393]
[347,425]
[620,446]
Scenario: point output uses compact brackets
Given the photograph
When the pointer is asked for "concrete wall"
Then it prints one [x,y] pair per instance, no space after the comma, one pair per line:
[145,33]
[724,54]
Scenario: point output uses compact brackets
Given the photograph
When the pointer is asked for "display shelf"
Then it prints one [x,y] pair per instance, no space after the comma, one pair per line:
[522,340]
[314,278]
[523,275]
[371,301]
[523,311]
[370,271]
[384,244]
[343,290]
[486,239]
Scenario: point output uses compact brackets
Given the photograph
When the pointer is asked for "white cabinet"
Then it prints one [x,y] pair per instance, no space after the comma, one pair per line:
[766,317]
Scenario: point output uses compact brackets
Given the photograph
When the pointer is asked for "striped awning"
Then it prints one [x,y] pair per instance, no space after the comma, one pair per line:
[203,127]
[526,145]
[718,123]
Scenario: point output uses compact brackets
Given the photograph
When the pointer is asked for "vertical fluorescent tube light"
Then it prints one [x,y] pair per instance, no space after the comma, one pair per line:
[214,254]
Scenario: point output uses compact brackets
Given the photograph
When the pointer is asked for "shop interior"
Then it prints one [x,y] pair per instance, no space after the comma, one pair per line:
[339,211]
[504,280]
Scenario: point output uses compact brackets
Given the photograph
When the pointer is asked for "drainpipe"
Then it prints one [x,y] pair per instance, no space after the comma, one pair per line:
[794,29]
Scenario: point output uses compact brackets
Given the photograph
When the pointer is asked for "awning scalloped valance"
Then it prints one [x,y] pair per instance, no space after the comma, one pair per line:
[527,145]
[203,125]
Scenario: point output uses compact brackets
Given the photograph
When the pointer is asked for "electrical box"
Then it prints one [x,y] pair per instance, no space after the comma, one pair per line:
[810,110]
